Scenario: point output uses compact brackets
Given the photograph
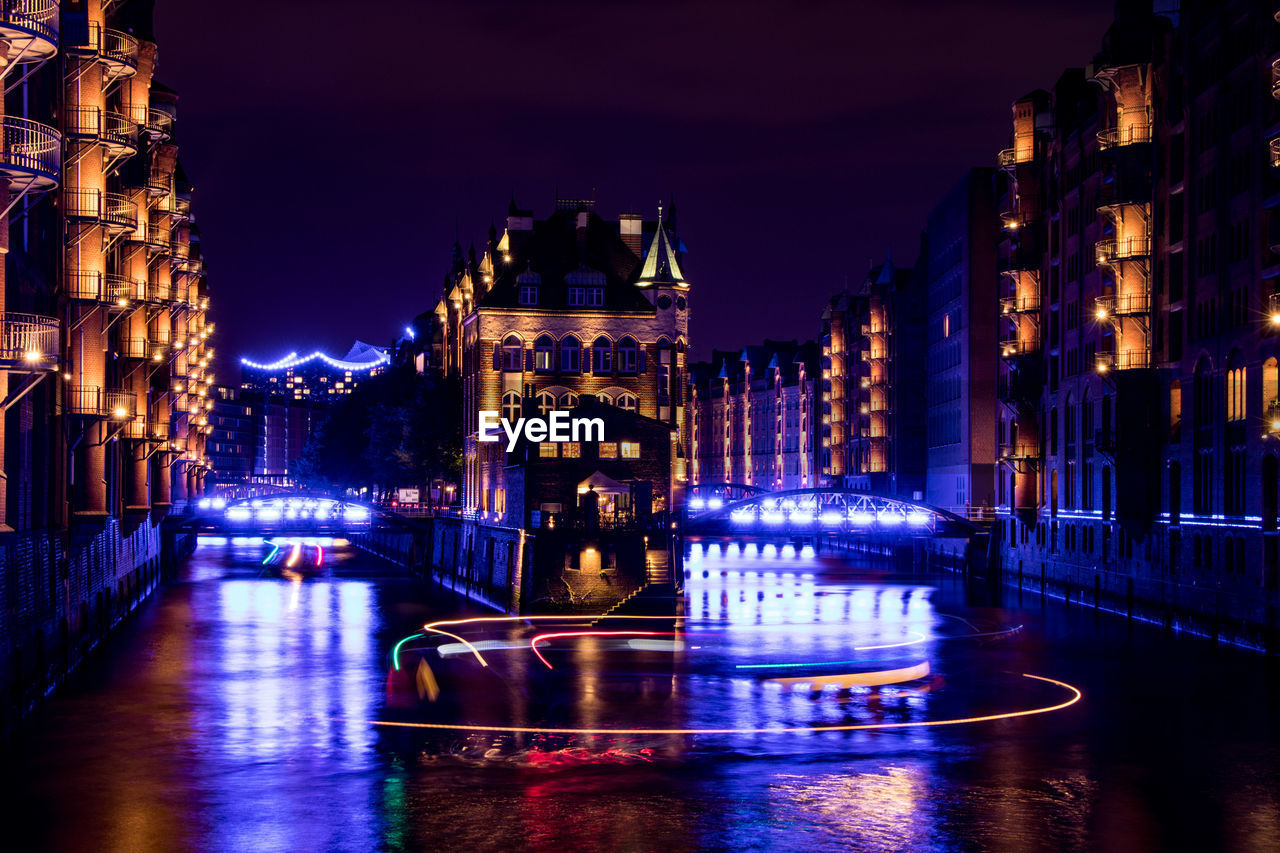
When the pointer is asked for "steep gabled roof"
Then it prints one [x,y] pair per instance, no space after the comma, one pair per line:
[660,264]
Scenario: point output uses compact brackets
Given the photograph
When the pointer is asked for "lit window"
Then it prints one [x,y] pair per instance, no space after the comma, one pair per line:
[571,450]
[568,400]
[547,449]
[628,402]
[608,450]
[946,325]
[1235,394]
[528,294]
[546,403]
[511,406]
[512,353]
[630,450]
[544,354]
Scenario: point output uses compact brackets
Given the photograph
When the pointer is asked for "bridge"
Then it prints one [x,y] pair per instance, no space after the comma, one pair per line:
[824,512]
[288,512]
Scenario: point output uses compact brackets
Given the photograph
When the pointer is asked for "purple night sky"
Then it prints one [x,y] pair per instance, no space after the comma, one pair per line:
[334,146]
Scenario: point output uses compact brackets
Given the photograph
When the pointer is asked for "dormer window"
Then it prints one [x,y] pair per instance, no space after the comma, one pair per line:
[577,296]
[528,294]
[595,296]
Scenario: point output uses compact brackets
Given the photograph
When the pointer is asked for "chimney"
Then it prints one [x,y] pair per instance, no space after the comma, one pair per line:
[631,226]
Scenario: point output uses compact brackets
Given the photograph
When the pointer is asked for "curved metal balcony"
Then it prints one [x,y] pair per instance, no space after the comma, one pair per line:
[1127,248]
[144,349]
[106,403]
[30,27]
[118,54]
[1275,153]
[84,285]
[160,293]
[31,152]
[159,125]
[119,134]
[28,341]
[1119,137]
[1275,72]
[1134,359]
[1018,347]
[1121,305]
[1020,304]
[118,213]
[156,237]
[122,291]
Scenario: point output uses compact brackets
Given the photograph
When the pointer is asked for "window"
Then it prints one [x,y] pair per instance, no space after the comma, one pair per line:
[627,355]
[568,400]
[608,450]
[628,402]
[512,353]
[630,450]
[570,354]
[511,406]
[547,449]
[595,296]
[1235,394]
[577,296]
[544,349]
[571,450]
[546,403]
[602,355]
[528,294]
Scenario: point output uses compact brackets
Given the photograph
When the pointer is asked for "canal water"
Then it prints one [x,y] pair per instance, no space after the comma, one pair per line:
[804,703]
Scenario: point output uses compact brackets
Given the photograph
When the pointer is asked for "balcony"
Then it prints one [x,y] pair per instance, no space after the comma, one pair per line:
[1275,153]
[28,342]
[1271,418]
[1019,452]
[1273,310]
[143,349]
[159,293]
[156,235]
[159,125]
[1121,305]
[118,55]
[159,182]
[30,27]
[1017,348]
[84,285]
[1128,248]
[31,153]
[112,211]
[1028,304]
[1275,73]
[122,291]
[1108,362]
[144,429]
[1119,137]
[95,402]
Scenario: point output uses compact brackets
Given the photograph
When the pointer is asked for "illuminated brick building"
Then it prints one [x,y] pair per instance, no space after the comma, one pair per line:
[1139,432]
[559,308]
[104,338]
[752,416]
[873,415]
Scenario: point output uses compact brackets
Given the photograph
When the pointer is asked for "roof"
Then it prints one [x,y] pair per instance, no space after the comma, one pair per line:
[660,264]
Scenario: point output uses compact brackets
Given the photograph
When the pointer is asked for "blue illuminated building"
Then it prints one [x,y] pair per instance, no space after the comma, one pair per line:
[316,377]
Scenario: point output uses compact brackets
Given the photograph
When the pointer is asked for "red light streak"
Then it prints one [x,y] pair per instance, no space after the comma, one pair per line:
[1076,696]
[533,643]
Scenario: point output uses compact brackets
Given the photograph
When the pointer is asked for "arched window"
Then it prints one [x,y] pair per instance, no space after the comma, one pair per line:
[568,400]
[1270,386]
[1201,394]
[1175,404]
[1235,388]
[544,349]
[602,355]
[628,402]
[605,398]
[546,403]
[570,354]
[627,355]
[511,406]
[512,353]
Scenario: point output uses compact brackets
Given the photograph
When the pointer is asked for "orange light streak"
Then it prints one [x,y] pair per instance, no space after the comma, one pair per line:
[431,626]
[1076,696]
[295,555]
[533,643]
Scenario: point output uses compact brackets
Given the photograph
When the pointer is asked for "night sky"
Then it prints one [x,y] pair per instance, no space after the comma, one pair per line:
[336,146]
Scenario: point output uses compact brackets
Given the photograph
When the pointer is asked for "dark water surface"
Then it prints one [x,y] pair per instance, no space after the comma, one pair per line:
[233,713]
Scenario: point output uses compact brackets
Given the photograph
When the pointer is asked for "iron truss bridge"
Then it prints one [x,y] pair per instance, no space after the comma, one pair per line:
[824,511]
[281,513]
[712,496]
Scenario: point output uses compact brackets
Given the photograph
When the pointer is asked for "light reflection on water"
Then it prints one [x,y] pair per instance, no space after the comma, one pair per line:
[232,716]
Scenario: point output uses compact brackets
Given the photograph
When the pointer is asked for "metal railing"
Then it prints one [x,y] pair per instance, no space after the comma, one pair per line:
[110,209]
[144,349]
[38,17]
[84,285]
[159,124]
[94,401]
[117,210]
[121,290]
[1020,304]
[30,149]
[1118,137]
[157,236]
[1121,305]
[29,339]
[1019,450]
[159,292]
[118,131]
[1136,359]
[119,48]
[1110,251]
[1017,347]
